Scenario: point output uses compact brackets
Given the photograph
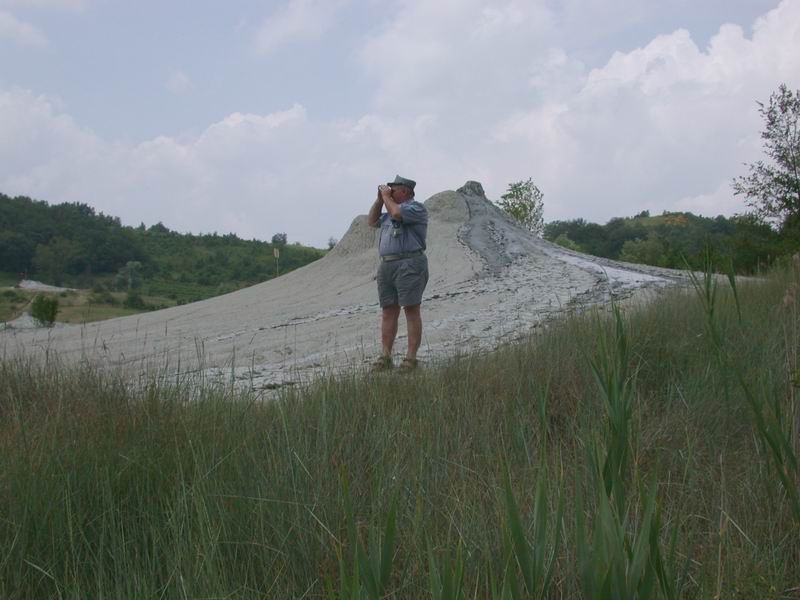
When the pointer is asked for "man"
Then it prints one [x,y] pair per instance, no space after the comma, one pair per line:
[403,271]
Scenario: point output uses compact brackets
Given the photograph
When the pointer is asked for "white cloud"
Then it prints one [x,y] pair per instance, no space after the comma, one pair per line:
[20,32]
[452,54]
[665,126]
[720,201]
[179,83]
[299,20]
[248,173]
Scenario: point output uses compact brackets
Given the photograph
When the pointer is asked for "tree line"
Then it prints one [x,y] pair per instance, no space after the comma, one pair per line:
[73,244]
[674,239]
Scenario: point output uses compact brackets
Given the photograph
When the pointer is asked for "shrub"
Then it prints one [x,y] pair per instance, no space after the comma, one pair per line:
[103,298]
[44,309]
[134,300]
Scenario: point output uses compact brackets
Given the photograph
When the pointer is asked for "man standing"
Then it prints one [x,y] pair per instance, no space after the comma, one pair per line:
[403,272]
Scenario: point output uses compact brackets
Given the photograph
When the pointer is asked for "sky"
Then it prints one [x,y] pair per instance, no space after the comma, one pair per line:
[284,116]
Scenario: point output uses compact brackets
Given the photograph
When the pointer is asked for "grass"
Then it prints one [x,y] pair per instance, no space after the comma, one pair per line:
[8,279]
[75,307]
[648,453]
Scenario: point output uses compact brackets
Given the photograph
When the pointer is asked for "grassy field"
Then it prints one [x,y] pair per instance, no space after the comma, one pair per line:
[75,307]
[650,453]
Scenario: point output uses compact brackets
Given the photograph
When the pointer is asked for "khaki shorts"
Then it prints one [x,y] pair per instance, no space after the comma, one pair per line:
[402,281]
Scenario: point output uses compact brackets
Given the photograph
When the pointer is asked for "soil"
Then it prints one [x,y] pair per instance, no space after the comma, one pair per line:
[491,282]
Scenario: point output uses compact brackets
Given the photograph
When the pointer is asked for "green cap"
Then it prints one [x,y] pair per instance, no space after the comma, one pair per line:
[409,183]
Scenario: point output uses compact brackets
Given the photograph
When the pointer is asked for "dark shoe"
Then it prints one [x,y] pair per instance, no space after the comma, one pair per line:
[408,365]
[381,364]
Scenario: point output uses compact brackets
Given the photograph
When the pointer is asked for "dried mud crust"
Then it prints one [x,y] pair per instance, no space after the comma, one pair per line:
[491,282]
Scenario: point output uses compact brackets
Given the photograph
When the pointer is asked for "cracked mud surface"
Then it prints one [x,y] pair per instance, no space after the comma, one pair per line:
[491,282]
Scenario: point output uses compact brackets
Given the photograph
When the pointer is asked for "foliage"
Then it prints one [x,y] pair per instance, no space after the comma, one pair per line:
[668,239]
[279,239]
[564,241]
[649,251]
[103,297]
[44,309]
[134,300]
[129,277]
[332,241]
[772,188]
[496,475]
[72,243]
[523,201]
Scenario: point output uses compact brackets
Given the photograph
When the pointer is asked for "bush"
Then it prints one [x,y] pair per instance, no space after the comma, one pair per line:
[134,300]
[44,309]
[103,298]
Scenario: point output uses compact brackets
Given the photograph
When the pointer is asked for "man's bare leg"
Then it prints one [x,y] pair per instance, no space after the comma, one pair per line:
[414,323]
[389,317]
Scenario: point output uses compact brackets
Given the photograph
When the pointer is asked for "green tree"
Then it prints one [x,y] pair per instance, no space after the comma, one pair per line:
[524,203]
[16,251]
[772,188]
[44,309]
[279,239]
[54,260]
[564,241]
[647,251]
[129,277]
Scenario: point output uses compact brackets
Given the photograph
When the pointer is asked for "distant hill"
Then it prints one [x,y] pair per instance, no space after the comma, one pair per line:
[72,244]
[668,239]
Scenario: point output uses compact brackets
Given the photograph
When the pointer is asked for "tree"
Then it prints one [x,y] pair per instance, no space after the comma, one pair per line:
[44,309]
[564,241]
[53,261]
[332,241]
[524,203]
[16,251]
[773,188]
[650,250]
[279,239]
[129,277]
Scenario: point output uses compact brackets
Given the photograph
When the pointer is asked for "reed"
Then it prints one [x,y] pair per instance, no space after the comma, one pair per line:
[647,451]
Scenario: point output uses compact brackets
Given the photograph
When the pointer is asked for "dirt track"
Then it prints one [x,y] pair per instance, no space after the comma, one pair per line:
[490,283]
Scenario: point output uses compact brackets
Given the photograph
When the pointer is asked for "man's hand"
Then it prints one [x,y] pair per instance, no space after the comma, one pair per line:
[374,215]
[392,207]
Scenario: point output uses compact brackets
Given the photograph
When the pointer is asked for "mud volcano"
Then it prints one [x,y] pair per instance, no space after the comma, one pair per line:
[490,282]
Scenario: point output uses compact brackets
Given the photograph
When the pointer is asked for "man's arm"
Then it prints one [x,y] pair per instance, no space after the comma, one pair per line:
[374,215]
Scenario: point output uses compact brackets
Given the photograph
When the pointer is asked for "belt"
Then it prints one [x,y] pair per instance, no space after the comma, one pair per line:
[391,257]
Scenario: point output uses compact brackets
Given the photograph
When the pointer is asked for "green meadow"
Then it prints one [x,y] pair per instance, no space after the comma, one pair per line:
[644,451]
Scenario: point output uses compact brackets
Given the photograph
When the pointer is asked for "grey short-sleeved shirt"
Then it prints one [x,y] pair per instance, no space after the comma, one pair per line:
[408,235]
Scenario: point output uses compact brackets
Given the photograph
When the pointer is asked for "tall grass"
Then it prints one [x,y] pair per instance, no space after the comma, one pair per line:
[649,452]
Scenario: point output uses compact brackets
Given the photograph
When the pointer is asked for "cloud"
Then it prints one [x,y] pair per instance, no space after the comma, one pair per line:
[475,52]
[665,126]
[298,20]
[662,127]
[20,32]
[716,202]
[179,83]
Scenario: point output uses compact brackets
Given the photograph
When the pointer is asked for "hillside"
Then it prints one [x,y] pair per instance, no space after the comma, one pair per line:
[669,239]
[491,282]
[73,245]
